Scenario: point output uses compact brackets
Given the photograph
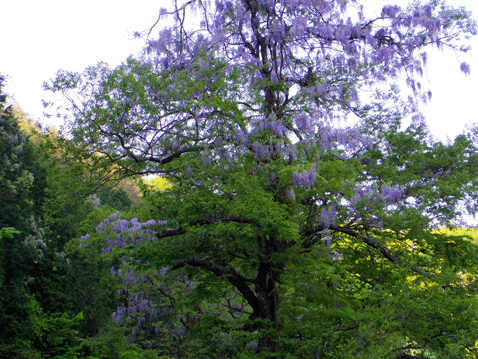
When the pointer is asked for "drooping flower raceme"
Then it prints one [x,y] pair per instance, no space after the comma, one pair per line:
[120,233]
[304,179]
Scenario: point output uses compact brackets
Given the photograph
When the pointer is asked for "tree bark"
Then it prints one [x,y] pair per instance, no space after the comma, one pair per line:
[268,294]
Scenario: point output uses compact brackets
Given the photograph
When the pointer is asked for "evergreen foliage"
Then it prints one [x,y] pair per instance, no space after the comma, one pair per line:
[37,311]
[115,198]
[22,186]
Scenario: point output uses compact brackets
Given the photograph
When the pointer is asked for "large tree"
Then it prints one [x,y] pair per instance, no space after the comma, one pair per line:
[300,218]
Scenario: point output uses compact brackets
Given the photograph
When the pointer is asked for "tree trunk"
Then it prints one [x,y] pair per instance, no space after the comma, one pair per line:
[268,294]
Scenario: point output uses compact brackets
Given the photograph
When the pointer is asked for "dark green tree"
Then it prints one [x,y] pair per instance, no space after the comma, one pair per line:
[32,291]
[22,186]
[115,198]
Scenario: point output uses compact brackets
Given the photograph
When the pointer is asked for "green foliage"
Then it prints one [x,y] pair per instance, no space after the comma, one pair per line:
[44,283]
[8,232]
[43,335]
[22,193]
[69,186]
[52,335]
[115,198]
[112,342]
[88,281]
[158,184]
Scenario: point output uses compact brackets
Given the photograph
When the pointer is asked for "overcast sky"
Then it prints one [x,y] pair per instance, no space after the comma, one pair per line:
[40,37]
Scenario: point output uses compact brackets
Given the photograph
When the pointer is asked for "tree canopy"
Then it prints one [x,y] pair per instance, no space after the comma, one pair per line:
[301,217]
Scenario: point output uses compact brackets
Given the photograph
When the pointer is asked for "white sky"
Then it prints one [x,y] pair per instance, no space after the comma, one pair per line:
[40,37]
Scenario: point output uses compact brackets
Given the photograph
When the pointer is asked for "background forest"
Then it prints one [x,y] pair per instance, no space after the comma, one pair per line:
[259,184]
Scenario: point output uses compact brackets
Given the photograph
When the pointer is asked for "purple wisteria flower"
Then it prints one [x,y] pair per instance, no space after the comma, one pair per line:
[465,68]
[120,232]
[336,256]
[276,127]
[206,161]
[304,179]
[303,122]
[135,225]
[390,11]
[365,194]
[262,151]
[139,310]
[392,194]
[163,271]
[85,237]
[370,202]
[123,225]
[328,216]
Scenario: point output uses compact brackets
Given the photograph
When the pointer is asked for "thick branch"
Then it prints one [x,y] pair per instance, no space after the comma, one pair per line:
[357,324]
[369,241]
[236,279]
[206,221]
[171,233]
[408,356]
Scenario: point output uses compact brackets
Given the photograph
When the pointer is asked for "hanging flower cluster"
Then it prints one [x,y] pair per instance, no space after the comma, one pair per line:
[120,232]
[304,179]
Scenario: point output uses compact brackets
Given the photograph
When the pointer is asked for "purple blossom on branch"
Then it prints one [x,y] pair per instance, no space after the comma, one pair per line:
[390,11]
[140,309]
[262,151]
[304,179]
[303,122]
[392,194]
[465,68]
[336,256]
[370,195]
[276,127]
[85,237]
[328,216]
[126,232]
